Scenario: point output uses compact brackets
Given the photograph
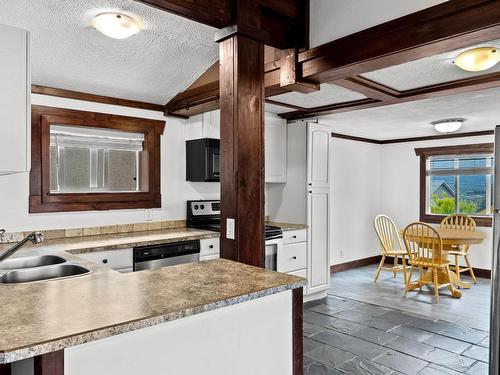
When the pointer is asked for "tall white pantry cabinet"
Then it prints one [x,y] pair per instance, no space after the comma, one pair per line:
[15,100]
[318,207]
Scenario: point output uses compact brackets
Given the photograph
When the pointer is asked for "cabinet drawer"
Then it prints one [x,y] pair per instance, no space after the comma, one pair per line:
[209,246]
[299,273]
[113,258]
[209,257]
[292,257]
[293,236]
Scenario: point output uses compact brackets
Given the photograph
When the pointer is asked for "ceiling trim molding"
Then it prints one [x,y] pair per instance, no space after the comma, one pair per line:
[413,139]
[69,94]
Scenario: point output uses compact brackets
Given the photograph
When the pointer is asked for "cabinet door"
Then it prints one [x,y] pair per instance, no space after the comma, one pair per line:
[275,149]
[318,156]
[14,98]
[318,220]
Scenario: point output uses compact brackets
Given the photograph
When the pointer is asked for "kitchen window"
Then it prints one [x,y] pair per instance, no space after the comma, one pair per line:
[456,179]
[93,161]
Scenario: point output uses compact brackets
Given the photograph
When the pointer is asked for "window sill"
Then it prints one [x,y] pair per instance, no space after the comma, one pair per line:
[481,221]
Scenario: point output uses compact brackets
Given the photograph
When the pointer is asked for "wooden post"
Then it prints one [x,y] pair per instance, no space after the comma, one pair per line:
[297,334]
[49,364]
[5,369]
[242,146]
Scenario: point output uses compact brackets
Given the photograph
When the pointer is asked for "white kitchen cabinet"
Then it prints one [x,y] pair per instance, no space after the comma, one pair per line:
[209,246]
[318,220]
[293,257]
[205,125]
[15,99]
[318,207]
[318,156]
[275,148]
[119,260]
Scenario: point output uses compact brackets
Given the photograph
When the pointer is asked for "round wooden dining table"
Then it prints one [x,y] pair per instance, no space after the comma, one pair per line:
[453,237]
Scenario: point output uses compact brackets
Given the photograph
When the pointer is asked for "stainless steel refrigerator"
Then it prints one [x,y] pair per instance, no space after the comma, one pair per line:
[495,269]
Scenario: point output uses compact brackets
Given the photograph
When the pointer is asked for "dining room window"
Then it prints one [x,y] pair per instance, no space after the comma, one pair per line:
[456,179]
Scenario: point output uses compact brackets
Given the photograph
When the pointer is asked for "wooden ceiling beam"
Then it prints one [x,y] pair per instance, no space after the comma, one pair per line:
[368,88]
[444,27]
[215,13]
[482,82]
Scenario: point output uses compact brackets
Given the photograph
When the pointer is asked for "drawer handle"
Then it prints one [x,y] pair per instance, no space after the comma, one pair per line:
[294,257]
[294,236]
[105,261]
[211,246]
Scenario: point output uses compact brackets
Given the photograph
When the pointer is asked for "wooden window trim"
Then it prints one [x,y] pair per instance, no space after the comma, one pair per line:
[41,200]
[424,153]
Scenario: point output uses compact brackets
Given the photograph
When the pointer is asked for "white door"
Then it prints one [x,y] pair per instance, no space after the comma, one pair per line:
[318,220]
[275,148]
[318,156]
[14,98]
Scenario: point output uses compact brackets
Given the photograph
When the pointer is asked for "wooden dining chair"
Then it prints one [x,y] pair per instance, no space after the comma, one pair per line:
[391,245]
[460,222]
[425,249]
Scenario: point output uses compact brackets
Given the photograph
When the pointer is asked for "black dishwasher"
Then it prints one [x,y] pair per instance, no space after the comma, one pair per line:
[166,254]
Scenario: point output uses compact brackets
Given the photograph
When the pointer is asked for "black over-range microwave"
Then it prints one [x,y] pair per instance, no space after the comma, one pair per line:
[202,160]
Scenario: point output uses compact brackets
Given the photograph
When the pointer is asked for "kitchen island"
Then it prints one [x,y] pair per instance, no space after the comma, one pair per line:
[213,317]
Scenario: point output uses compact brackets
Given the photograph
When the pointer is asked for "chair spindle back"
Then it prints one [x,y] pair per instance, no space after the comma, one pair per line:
[423,243]
[387,233]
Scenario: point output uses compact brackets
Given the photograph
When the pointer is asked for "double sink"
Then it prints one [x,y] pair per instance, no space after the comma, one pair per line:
[38,268]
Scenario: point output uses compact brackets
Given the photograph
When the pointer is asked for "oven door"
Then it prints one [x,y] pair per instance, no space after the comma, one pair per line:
[273,246]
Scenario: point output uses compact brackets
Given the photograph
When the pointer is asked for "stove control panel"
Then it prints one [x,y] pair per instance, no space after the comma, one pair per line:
[204,207]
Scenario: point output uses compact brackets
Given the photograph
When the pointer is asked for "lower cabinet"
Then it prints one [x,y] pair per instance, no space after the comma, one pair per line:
[119,260]
[292,259]
[209,248]
[318,237]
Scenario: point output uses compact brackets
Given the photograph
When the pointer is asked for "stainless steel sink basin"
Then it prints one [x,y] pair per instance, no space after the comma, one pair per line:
[58,271]
[29,262]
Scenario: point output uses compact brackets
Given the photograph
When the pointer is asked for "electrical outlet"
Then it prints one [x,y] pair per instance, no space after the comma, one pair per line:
[230,229]
[148,215]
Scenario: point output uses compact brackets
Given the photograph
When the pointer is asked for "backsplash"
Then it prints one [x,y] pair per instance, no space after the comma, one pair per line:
[95,231]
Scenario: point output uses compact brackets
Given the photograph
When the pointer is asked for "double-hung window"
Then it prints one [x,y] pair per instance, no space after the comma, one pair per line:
[456,179]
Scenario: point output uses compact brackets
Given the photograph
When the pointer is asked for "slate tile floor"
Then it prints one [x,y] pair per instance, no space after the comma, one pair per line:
[350,335]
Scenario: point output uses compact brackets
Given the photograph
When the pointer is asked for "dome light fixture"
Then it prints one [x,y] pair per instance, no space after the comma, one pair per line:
[449,125]
[478,59]
[116,25]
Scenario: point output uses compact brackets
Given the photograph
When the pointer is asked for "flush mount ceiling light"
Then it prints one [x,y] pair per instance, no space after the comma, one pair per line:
[478,59]
[449,125]
[116,25]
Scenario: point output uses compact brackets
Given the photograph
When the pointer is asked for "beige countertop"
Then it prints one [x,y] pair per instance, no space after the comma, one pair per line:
[78,245]
[42,317]
[287,226]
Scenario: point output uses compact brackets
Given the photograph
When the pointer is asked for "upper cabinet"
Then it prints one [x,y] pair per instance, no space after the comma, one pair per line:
[275,148]
[207,125]
[318,156]
[15,99]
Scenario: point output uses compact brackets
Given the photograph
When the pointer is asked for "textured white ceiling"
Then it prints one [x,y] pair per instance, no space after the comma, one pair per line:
[153,66]
[427,71]
[333,19]
[481,109]
[329,94]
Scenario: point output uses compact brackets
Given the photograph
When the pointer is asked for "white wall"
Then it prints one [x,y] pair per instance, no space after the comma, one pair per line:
[175,190]
[356,199]
[333,19]
[287,202]
[400,188]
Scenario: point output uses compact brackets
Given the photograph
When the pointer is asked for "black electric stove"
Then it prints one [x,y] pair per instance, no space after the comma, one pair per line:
[205,214]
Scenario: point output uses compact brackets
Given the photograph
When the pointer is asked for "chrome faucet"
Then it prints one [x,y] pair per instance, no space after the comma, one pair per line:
[35,237]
